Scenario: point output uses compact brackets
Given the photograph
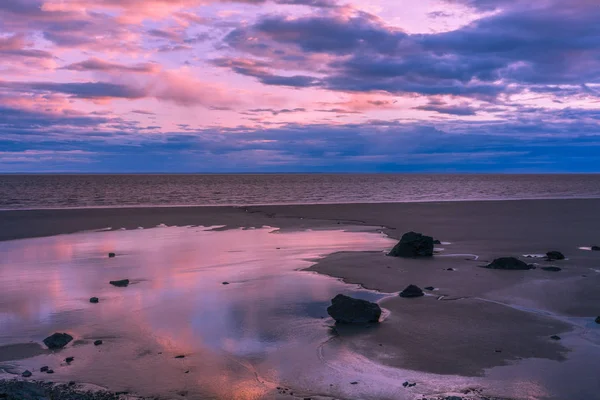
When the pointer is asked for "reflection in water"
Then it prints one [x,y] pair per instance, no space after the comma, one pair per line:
[240,340]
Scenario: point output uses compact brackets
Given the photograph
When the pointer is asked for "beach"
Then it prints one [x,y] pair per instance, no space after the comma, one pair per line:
[480,333]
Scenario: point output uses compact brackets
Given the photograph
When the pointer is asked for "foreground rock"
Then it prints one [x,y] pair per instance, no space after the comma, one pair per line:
[121,283]
[412,291]
[554,255]
[413,244]
[58,340]
[346,310]
[27,390]
[508,263]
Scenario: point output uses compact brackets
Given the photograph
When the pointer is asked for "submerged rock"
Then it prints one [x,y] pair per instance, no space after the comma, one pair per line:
[121,283]
[555,255]
[346,310]
[97,342]
[94,300]
[412,291]
[551,269]
[509,263]
[57,340]
[413,244]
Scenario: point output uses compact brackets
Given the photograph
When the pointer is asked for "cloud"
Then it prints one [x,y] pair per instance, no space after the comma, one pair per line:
[96,64]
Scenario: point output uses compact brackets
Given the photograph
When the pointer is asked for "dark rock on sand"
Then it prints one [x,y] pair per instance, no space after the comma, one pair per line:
[182,356]
[57,340]
[555,255]
[346,310]
[436,241]
[94,300]
[26,374]
[551,269]
[97,342]
[595,248]
[555,337]
[412,291]
[225,283]
[111,255]
[50,371]
[121,283]
[508,263]
[598,320]
[44,369]
[413,244]
[430,288]
[69,359]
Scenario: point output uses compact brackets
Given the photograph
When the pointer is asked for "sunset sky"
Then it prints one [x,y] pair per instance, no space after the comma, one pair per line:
[299,85]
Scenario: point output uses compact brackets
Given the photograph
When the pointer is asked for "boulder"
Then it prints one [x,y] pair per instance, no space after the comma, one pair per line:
[595,248]
[554,255]
[412,291]
[121,283]
[509,263]
[57,340]
[346,310]
[94,300]
[413,244]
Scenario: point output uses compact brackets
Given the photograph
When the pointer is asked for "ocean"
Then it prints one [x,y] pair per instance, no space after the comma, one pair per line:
[86,191]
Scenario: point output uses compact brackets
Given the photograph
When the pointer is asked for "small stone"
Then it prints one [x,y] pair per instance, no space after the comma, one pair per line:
[453,398]
[44,369]
[111,255]
[405,384]
[97,342]
[225,283]
[430,288]
[72,383]
[551,269]
[181,356]
[120,283]
[555,255]
[187,372]
[508,263]
[69,359]
[57,340]
[598,320]
[26,374]
[449,269]
[50,371]
[94,300]
[595,248]
[555,337]
[412,291]
[354,383]
[498,351]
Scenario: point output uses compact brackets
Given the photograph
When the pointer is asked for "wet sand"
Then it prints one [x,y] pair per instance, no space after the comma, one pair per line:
[483,331]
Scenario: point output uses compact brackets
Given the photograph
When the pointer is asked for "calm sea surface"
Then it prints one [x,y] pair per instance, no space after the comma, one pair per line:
[73,191]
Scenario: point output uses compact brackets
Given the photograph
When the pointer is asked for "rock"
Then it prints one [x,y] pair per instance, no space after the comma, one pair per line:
[430,288]
[121,283]
[450,269]
[346,310]
[595,248]
[412,291]
[508,263]
[97,342]
[225,283]
[354,383]
[413,244]
[182,356]
[554,255]
[437,242]
[598,320]
[111,255]
[57,340]
[26,374]
[94,300]
[44,369]
[551,269]
[453,398]
[408,384]
[69,359]
[555,337]
[50,371]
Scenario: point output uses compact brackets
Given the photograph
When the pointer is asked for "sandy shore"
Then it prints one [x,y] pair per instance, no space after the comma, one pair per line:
[493,327]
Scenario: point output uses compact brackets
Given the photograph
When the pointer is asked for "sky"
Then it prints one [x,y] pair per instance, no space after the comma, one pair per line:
[299,86]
